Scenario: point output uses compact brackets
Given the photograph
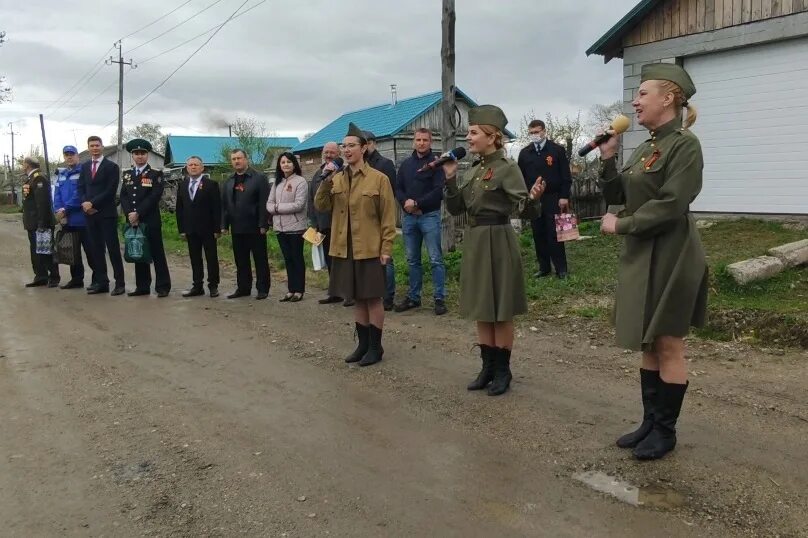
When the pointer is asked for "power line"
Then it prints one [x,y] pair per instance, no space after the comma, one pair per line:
[78,89]
[199,35]
[158,19]
[101,61]
[91,101]
[188,59]
[158,36]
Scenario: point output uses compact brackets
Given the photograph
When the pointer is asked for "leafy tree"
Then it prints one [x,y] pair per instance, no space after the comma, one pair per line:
[148,131]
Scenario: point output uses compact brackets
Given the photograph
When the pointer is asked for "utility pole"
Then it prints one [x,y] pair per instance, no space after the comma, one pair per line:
[120,63]
[448,130]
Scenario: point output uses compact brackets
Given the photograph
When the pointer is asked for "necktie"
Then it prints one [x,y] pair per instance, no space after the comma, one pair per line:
[192,190]
[95,168]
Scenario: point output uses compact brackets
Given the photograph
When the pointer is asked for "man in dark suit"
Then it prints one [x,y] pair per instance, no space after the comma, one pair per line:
[140,201]
[545,158]
[98,184]
[199,221]
[244,215]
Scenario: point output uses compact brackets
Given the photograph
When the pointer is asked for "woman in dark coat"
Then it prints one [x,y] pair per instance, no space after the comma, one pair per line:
[492,287]
[662,274]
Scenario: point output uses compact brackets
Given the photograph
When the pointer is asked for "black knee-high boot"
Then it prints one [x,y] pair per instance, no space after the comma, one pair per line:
[363,341]
[649,383]
[375,349]
[662,438]
[486,375]
[502,372]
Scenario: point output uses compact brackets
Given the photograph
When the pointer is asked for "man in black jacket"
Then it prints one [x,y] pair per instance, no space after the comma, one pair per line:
[98,185]
[320,220]
[199,221]
[545,158]
[384,165]
[37,216]
[420,195]
[140,201]
[244,214]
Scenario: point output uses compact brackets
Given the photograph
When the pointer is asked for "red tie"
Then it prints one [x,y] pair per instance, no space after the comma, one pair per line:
[95,167]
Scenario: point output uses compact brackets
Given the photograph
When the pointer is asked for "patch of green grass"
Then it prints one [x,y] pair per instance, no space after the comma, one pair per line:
[10,209]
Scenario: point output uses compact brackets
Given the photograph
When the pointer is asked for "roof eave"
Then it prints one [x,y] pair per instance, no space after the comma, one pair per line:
[610,44]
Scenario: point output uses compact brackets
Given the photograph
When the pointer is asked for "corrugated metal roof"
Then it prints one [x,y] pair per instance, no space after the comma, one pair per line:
[209,148]
[610,44]
[382,120]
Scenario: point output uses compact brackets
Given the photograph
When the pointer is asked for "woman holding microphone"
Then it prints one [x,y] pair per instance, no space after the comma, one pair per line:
[492,287]
[363,227]
[662,273]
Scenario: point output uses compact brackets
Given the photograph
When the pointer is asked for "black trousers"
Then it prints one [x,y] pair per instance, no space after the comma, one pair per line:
[104,238]
[143,277]
[548,248]
[292,249]
[243,246]
[77,269]
[327,247]
[197,243]
[42,264]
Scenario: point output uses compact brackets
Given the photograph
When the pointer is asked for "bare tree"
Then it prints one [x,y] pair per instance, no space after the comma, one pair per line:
[602,115]
[5,90]
[252,137]
[147,131]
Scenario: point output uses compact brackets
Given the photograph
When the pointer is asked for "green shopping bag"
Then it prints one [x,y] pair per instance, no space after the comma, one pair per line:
[136,244]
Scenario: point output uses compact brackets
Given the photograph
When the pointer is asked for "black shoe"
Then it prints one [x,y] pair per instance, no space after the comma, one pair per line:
[486,374]
[214,291]
[95,290]
[388,305]
[362,334]
[238,293]
[562,275]
[37,283]
[375,349]
[193,292]
[542,274]
[649,381]
[163,293]
[296,298]
[330,300]
[502,372]
[348,302]
[119,290]
[73,284]
[440,307]
[261,295]
[406,304]
[135,293]
[53,283]
[662,438]
[287,297]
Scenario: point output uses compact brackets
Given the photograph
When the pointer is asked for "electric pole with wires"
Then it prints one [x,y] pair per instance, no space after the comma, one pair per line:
[120,63]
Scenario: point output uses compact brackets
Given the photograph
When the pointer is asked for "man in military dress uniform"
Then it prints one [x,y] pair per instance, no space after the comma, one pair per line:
[548,160]
[140,201]
[37,215]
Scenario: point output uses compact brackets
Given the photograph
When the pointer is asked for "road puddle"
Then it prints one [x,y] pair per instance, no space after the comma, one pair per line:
[648,496]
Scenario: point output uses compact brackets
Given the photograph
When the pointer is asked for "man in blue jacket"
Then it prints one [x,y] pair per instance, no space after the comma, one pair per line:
[420,194]
[67,205]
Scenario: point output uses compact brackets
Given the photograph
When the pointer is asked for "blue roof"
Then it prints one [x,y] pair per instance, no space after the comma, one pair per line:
[382,120]
[209,148]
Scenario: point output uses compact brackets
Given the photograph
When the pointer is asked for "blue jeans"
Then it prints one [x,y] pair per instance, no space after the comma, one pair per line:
[419,229]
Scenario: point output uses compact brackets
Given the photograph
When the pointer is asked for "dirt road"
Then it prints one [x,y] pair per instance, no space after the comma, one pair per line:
[199,417]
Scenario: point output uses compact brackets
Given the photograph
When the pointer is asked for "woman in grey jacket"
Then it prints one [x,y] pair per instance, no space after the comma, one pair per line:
[287,205]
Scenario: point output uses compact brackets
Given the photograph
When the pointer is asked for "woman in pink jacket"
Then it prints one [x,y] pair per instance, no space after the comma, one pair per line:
[287,205]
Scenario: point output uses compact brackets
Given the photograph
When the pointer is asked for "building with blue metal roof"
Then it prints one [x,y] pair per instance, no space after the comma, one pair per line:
[209,148]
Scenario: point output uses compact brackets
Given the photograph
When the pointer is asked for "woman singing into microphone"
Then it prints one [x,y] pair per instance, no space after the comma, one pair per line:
[363,227]
[662,273]
[492,288]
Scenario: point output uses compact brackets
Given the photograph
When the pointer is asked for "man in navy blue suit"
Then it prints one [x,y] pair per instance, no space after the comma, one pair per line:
[98,185]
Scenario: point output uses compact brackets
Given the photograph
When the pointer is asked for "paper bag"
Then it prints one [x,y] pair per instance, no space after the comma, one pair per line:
[44,241]
[318,257]
[567,227]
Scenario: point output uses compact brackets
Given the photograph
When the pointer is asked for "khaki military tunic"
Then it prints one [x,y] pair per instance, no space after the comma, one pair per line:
[492,285]
[662,273]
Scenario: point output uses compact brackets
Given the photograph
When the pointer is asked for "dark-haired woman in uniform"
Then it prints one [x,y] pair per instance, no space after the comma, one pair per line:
[492,286]
[662,273]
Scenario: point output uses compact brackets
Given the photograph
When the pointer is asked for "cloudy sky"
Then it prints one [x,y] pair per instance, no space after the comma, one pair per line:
[294,64]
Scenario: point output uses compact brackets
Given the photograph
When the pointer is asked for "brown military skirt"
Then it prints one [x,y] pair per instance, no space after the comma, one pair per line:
[356,279]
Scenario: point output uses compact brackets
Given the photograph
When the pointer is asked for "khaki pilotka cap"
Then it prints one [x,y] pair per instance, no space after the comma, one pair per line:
[488,115]
[671,72]
[353,130]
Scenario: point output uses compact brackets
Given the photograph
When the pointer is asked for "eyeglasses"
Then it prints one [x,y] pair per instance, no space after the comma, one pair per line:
[350,146]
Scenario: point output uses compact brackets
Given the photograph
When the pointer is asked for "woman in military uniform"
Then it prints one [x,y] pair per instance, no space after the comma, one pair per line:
[492,287]
[662,273]
[363,228]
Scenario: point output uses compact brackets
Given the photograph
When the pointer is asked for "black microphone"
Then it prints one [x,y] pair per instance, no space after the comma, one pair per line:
[454,155]
[620,124]
[338,162]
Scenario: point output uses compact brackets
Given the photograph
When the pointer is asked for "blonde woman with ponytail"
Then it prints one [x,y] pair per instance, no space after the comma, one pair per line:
[662,274]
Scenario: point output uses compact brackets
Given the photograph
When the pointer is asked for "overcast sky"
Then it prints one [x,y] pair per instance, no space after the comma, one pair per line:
[294,64]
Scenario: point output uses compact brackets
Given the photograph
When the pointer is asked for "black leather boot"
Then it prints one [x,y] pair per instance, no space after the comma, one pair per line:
[486,375]
[662,438]
[363,341]
[649,381]
[375,349]
[502,372]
